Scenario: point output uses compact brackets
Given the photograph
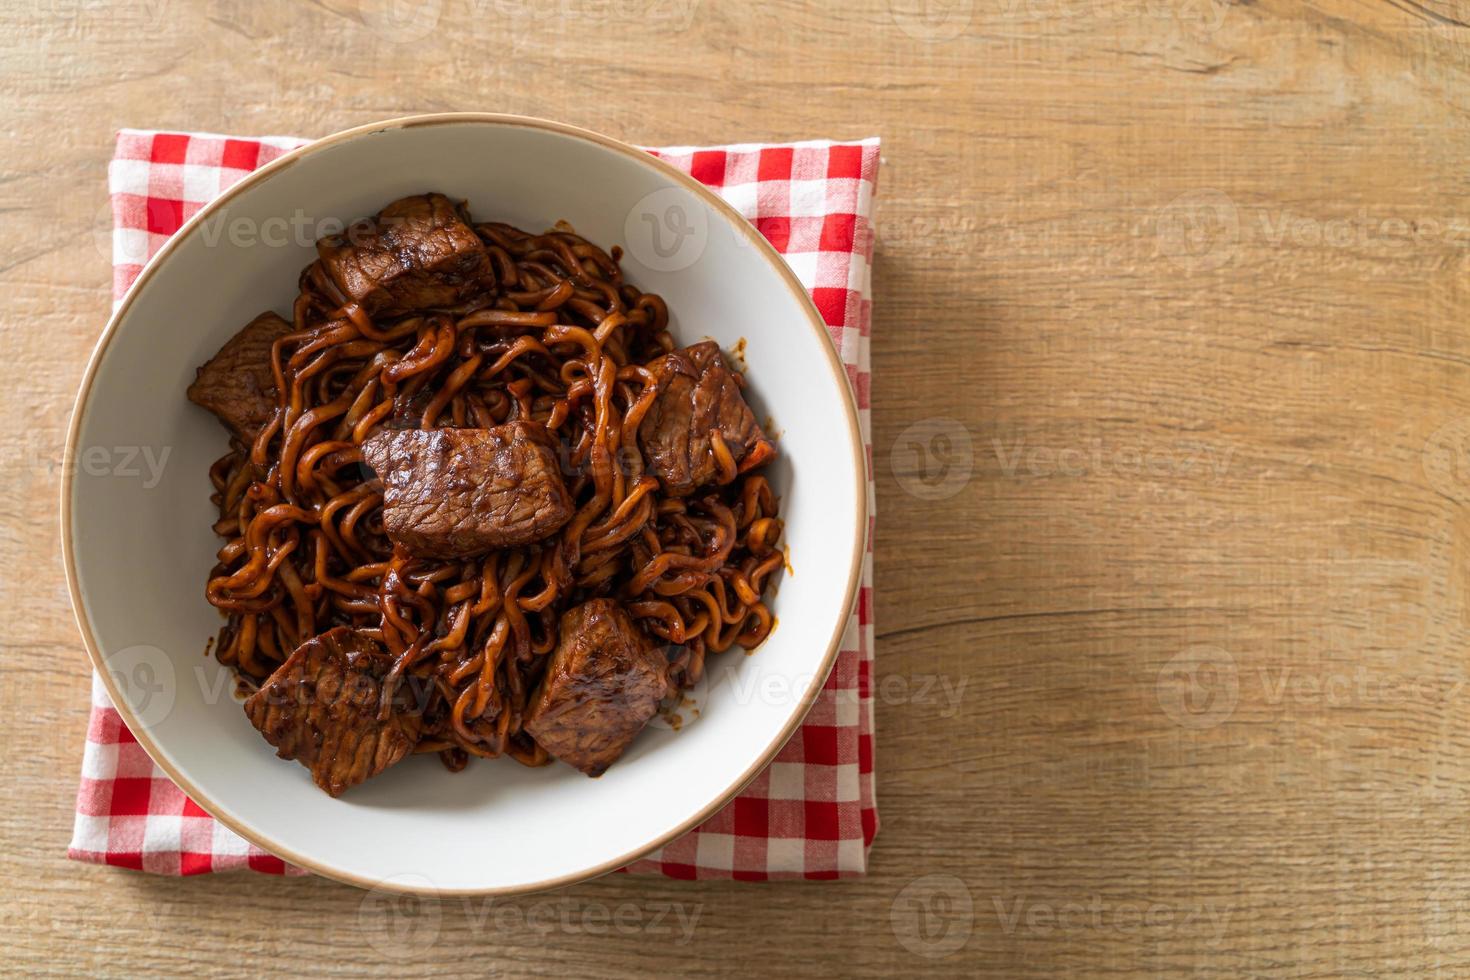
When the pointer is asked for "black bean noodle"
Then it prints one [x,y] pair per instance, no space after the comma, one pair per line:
[566,342]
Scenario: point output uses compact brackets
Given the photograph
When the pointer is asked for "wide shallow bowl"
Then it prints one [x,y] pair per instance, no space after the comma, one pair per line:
[136,514]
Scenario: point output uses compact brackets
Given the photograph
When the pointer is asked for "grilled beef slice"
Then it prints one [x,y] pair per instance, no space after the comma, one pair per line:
[320,708]
[417,253]
[237,384]
[603,684]
[455,493]
[697,395]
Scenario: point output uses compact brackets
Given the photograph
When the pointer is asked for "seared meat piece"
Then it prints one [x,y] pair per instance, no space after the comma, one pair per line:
[320,708]
[454,493]
[416,254]
[603,684]
[237,384]
[698,395]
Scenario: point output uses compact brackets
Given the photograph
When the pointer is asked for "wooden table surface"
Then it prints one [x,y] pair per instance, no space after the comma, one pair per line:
[1171,399]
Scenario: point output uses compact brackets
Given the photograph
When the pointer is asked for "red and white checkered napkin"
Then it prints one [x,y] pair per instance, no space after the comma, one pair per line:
[811,813]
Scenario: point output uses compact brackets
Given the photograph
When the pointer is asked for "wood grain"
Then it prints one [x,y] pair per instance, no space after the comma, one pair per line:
[1171,416]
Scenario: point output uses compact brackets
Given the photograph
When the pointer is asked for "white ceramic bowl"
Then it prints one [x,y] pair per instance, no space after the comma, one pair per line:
[136,523]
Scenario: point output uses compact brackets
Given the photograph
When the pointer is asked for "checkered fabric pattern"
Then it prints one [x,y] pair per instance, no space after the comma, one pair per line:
[811,813]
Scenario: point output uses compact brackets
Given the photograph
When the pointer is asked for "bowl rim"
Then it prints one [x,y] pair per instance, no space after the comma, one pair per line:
[737,222]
